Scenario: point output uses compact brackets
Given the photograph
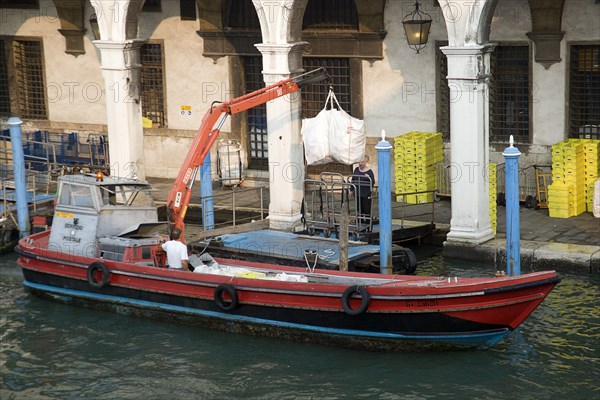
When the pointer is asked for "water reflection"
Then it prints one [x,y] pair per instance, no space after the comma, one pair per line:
[56,351]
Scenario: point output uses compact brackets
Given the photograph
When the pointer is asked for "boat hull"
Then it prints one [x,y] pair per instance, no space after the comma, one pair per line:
[408,313]
[244,324]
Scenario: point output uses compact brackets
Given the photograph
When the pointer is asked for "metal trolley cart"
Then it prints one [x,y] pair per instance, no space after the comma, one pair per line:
[323,202]
[528,186]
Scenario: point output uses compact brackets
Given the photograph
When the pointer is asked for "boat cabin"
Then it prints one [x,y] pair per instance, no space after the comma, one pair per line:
[106,217]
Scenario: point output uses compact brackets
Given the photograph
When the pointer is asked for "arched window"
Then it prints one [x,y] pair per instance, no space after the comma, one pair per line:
[331,15]
[240,14]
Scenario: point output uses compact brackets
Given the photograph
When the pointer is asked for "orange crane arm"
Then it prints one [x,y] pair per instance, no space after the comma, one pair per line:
[181,192]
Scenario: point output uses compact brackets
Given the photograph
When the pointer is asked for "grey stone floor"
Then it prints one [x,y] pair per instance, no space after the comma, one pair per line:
[536,225]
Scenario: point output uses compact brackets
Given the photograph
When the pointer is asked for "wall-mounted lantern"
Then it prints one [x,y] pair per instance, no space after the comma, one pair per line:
[416,27]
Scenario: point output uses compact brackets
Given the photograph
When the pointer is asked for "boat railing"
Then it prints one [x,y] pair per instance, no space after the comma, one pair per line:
[420,212]
[42,170]
[235,207]
[57,150]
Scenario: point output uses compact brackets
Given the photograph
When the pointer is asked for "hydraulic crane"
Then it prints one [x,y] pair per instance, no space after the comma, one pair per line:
[181,192]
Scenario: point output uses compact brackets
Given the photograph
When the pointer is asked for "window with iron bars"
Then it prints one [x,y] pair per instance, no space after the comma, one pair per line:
[152,84]
[509,99]
[256,117]
[510,94]
[29,78]
[584,92]
[443,93]
[4,88]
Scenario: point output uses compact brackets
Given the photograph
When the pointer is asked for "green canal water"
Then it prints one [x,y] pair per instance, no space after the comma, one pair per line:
[56,351]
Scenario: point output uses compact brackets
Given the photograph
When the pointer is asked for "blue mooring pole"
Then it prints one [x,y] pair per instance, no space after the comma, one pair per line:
[384,148]
[14,125]
[206,192]
[513,226]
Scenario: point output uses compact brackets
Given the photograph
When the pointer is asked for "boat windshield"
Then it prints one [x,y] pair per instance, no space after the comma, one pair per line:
[126,195]
[76,196]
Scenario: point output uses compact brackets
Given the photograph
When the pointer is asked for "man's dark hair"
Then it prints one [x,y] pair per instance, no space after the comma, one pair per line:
[175,234]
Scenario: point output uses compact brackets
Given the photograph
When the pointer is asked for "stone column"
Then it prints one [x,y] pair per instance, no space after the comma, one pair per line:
[286,151]
[121,71]
[468,78]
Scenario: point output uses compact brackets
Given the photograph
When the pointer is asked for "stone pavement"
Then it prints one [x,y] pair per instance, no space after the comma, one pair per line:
[571,243]
[558,243]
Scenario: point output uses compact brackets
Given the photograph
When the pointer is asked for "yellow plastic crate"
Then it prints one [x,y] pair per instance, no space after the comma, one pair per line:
[576,159]
[406,167]
[580,208]
[425,169]
[559,213]
[572,150]
[592,146]
[425,198]
[558,163]
[425,178]
[558,177]
[402,139]
[555,186]
[409,151]
[425,186]
[408,199]
[572,170]
[429,159]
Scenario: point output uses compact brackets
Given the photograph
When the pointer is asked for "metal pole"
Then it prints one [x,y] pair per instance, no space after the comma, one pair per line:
[513,228]
[206,192]
[14,125]
[384,149]
[343,239]
[261,204]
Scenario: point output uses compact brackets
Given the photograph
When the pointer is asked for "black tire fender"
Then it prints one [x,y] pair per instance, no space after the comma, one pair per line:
[365,299]
[501,199]
[221,302]
[104,273]
[529,202]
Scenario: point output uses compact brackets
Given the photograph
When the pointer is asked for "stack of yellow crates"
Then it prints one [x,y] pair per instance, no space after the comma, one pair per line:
[574,171]
[493,193]
[415,156]
[591,158]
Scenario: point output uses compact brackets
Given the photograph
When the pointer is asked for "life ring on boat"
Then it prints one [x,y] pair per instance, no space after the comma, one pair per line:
[365,299]
[104,273]
[221,302]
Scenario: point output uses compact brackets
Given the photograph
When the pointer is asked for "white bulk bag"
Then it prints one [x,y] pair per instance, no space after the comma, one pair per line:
[315,135]
[333,135]
[346,136]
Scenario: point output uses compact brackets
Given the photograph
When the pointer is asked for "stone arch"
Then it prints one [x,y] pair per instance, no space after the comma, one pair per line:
[468,23]
[118,21]
[280,22]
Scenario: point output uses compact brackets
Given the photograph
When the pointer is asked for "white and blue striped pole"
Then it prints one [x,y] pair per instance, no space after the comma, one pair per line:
[384,148]
[513,226]
[206,192]
[14,125]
